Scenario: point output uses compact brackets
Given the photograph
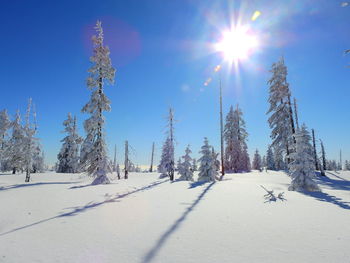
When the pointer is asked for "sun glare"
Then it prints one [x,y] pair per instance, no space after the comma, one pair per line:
[237,44]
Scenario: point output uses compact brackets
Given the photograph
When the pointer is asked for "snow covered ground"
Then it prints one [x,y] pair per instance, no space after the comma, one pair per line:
[61,218]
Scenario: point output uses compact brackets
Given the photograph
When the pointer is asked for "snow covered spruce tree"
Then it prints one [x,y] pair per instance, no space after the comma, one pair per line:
[302,168]
[167,163]
[257,161]
[5,124]
[207,169]
[94,148]
[186,169]
[68,157]
[281,119]
[235,135]
[29,143]
[194,165]
[270,160]
[14,153]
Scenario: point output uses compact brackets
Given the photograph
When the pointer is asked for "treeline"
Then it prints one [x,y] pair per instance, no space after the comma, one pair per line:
[20,150]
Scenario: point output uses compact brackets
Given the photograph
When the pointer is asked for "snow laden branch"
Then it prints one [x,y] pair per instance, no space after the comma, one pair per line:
[271,197]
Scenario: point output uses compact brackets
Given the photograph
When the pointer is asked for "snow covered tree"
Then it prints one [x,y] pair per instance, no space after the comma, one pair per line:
[207,169]
[264,164]
[14,153]
[68,157]
[280,163]
[38,160]
[216,161]
[167,163]
[185,168]
[165,158]
[29,143]
[281,119]
[5,124]
[257,161]
[178,165]
[244,159]
[302,168]
[270,160]
[95,159]
[194,165]
[235,135]
[347,165]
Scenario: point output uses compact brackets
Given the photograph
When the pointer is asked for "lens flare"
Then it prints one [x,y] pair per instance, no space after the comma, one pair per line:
[237,44]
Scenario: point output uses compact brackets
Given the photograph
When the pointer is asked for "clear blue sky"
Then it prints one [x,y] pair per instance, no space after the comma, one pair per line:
[162,52]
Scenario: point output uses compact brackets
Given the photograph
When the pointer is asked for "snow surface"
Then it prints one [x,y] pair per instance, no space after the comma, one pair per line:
[61,218]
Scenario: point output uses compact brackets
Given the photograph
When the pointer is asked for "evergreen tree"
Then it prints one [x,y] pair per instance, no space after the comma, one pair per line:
[257,161]
[165,158]
[68,157]
[178,165]
[94,148]
[216,161]
[264,163]
[302,168]
[38,160]
[280,164]
[29,145]
[280,110]
[270,160]
[15,151]
[167,163]
[207,169]
[5,124]
[185,168]
[235,135]
[194,165]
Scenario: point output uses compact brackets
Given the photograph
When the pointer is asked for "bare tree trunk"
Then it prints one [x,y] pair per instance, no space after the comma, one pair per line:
[323,157]
[126,161]
[221,135]
[171,170]
[291,118]
[315,152]
[151,168]
[115,158]
[296,113]
[27,175]
[14,170]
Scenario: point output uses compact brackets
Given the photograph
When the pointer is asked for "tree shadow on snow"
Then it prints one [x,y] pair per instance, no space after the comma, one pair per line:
[15,186]
[324,197]
[80,209]
[341,178]
[341,184]
[163,239]
[196,184]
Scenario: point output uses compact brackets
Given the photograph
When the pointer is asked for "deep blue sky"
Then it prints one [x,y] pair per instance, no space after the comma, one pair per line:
[162,52]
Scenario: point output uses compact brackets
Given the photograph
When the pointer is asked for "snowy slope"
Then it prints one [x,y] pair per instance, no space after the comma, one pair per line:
[61,218]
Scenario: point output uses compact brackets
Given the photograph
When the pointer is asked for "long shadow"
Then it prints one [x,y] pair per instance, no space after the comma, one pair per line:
[324,197]
[80,209]
[163,239]
[335,184]
[4,188]
[341,178]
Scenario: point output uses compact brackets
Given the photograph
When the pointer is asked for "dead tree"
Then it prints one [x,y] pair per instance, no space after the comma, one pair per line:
[151,168]
[296,113]
[315,151]
[221,135]
[323,153]
[126,161]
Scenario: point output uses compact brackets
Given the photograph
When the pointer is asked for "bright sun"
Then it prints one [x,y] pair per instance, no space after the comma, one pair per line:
[237,44]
